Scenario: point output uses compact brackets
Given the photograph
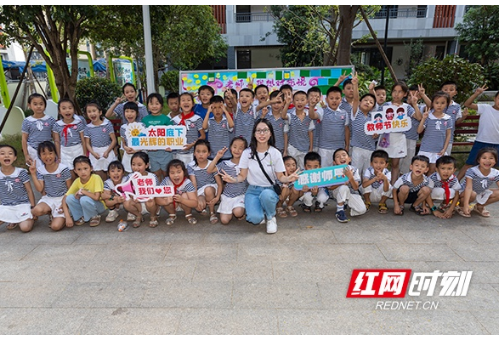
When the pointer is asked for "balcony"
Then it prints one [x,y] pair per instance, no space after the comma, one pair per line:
[402,13]
[251,17]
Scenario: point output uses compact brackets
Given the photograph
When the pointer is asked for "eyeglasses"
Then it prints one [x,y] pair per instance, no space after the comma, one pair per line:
[262,131]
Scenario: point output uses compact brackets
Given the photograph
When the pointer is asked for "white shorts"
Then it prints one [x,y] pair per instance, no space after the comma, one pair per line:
[433,156]
[69,153]
[185,157]
[326,157]
[126,160]
[449,149]
[144,209]
[102,163]
[438,194]
[54,203]
[361,158]
[201,190]
[483,197]
[375,195]
[15,213]
[397,147]
[405,162]
[298,155]
[227,204]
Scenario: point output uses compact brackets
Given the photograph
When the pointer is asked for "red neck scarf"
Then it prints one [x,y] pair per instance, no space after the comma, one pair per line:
[445,185]
[65,132]
[185,117]
[175,189]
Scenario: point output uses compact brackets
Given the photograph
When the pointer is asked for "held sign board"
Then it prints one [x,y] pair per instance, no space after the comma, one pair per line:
[142,188]
[322,177]
[391,119]
[157,137]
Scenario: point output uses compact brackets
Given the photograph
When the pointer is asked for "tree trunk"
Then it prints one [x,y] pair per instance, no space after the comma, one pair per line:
[347,19]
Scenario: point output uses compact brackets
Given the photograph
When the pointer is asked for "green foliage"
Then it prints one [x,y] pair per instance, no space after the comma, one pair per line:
[100,90]
[415,50]
[16,142]
[169,80]
[434,72]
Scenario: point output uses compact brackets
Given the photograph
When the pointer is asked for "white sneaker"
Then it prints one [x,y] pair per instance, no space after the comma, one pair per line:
[112,216]
[271,226]
[131,217]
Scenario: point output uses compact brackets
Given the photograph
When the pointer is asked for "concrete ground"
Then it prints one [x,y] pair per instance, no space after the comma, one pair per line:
[236,279]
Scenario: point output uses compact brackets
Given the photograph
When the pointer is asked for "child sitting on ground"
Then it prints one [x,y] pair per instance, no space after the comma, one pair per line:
[319,195]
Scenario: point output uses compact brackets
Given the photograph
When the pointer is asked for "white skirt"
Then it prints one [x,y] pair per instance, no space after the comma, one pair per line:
[54,203]
[69,153]
[201,190]
[126,160]
[397,146]
[102,163]
[15,213]
[227,204]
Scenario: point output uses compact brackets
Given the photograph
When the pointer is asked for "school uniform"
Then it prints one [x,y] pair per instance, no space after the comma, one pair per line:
[443,190]
[55,187]
[332,132]
[203,178]
[233,193]
[120,112]
[70,139]
[395,142]
[100,140]
[219,136]
[15,207]
[481,183]
[299,142]
[375,190]
[126,159]
[244,122]
[185,186]
[346,194]
[434,136]
[454,111]
[406,179]
[38,130]
[193,125]
[362,145]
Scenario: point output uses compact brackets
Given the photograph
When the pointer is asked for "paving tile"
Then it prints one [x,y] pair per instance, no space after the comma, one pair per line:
[418,252]
[209,270]
[29,294]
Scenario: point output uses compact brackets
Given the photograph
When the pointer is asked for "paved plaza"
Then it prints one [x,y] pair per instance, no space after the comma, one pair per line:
[236,279]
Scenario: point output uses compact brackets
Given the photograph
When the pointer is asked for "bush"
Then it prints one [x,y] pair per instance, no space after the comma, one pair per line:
[433,73]
[169,81]
[100,90]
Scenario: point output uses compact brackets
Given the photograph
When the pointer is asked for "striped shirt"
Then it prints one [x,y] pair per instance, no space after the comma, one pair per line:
[219,136]
[70,133]
[109,185]
[359,137]
[298,130]
[345,105]
[55,182]
[232,189]
[369,174]
[407,180]
[244,122]
[38,129]
[317,123]
[454,111]
[193,125]
[202,176]
[332,126]
[99,134]
[412,133]
[12,189]
[120,113]
[186,185]
[435,132]
[436,182]
[480,181]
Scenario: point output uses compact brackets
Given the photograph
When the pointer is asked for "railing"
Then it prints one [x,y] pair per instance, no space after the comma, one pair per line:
[402,13]
[250,17]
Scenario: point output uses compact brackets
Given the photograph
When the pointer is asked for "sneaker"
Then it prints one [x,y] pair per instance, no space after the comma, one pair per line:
[271,226]
[130,217]
[112,216]
[341,216]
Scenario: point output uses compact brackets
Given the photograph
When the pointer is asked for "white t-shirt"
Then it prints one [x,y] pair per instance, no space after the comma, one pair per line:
[271,162]
[488,126]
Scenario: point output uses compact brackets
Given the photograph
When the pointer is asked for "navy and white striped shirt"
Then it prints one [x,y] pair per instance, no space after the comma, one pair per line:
[345,105]
[120,113]
[317,123]
[55,182]
[480,181]
[359,137]
[405,179]
[244,122]
[186,186]
[12,189]
[193,125]
[99,134]
[436,182]
[332,126]
[38,130]
[298,130]
[454,111]
[109,185]
[369,174]
[435,132]
[202,176]
[219,136]
[232,189]
[278,127]
[70,133]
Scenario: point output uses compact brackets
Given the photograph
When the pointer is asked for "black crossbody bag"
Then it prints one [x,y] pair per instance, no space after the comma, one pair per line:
[277,187]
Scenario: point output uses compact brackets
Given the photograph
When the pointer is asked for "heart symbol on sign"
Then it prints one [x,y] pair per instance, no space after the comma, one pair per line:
[158,191]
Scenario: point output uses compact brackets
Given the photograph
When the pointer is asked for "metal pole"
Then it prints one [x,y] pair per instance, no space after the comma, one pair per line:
[384,44]
[148,50]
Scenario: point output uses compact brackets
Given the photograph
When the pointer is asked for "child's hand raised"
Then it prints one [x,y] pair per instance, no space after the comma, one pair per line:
[265,110]
[32,168]
[481,90]
[426,112]
[120,99]
[221,152]
[355,80]
[348,172]
[421,89]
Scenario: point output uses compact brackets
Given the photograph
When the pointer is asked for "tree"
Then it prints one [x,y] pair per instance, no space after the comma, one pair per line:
[317,32]
[182,36]
[54,29]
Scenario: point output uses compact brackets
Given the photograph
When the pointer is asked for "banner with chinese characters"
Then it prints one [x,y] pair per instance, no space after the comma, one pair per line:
[301,78]
[391,119]
[157,137]
[142,188]
[322,177]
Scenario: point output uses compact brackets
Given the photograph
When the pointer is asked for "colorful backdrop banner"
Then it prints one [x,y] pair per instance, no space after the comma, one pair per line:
[299,78]
[391,119]
[157,137]
[323,177]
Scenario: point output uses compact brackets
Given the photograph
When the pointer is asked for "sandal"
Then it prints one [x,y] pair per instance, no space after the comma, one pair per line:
[291,210]
[306,208]
[137,222]
[482,212]
[191,219]
[11,226]
[213,218]
[171,219]
[368,205]
[95,221]
[281,212]
[317,207]
[461,212]
[130,217]
[153,223]
[401,207]
[204,212]
[382,209]
[81,221]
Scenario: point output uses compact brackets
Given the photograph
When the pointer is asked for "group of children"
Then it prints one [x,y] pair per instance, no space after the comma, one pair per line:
[309,133]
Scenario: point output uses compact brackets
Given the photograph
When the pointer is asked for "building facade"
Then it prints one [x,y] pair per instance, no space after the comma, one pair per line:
[253,44]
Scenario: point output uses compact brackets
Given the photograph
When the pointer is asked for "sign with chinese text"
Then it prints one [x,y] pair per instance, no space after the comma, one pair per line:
[391,119]
[142,188]
[322,177]
[157,137]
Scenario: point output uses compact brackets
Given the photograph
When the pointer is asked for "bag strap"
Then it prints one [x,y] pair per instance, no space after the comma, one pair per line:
[263,170]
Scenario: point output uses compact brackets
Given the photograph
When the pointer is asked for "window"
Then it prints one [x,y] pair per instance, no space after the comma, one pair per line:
[243,59]
[384,8]
[243,13]
[421,11]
